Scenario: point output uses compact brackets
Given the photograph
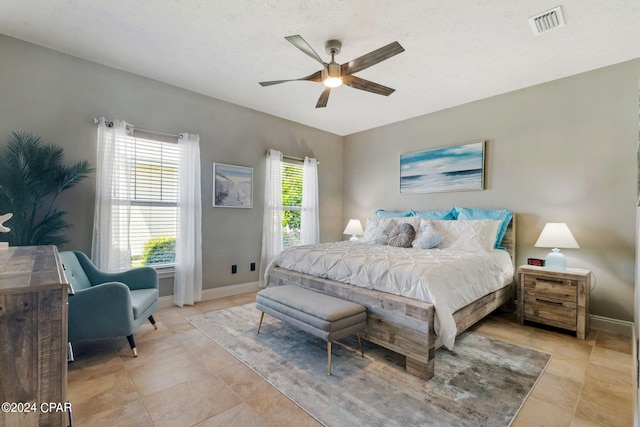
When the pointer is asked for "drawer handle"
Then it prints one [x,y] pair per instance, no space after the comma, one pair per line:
[548,302]
[559,282]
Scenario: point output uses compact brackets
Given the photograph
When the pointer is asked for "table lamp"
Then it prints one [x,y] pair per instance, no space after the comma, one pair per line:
[556,235]
[354,227]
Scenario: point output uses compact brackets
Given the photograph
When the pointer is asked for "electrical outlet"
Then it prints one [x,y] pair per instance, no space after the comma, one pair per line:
[253,266]
[234,269]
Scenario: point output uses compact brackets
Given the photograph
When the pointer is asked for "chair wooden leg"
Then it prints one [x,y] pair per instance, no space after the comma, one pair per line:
[153,322]
[328,357]
[132,343]
[260,324]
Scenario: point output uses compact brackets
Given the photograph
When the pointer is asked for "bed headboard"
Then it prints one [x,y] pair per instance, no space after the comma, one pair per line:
[509,239]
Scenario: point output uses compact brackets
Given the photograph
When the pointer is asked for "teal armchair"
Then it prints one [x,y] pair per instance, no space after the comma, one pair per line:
[106,305]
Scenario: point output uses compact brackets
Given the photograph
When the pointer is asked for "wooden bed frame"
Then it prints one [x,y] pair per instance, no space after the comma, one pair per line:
[402,324]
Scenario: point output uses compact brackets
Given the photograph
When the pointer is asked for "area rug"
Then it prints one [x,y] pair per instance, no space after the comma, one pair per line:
[482,382]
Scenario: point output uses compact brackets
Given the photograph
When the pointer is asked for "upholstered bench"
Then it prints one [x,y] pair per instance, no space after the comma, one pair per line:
[320,315]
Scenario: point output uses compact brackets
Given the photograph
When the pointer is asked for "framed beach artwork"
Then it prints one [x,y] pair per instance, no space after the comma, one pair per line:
[456,168]
[232,186]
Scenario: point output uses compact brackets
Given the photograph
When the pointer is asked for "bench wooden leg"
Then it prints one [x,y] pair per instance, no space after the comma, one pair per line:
[360,343]
[260,324]
[328,357]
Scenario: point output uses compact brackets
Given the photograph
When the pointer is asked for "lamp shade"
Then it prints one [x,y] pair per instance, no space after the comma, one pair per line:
[556,235]
[354,227]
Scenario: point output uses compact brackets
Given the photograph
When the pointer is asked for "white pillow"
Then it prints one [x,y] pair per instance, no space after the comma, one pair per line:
[413,220]
[377,230]
[427,236]
[468,235]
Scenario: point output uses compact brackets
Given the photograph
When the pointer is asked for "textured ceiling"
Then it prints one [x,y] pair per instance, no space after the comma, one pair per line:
[457,51]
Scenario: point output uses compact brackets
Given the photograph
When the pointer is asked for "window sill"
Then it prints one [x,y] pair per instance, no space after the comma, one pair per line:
[165,271]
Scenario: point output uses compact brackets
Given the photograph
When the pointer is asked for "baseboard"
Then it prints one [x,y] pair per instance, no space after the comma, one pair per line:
[608,324]
[221,292]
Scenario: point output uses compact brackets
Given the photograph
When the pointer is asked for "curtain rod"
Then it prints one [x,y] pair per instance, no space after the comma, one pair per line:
[298,159]
[284,156]
[130,126]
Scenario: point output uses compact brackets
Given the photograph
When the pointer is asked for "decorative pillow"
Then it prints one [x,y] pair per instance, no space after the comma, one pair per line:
[502,215]
[450,214]
[377,230]
[381,213]
[427,237]
[402,235]
[468,235]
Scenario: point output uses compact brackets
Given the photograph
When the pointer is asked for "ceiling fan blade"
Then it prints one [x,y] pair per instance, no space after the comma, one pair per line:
[315,77]
[371,58]
[301,44]
[366,85]
[324,97]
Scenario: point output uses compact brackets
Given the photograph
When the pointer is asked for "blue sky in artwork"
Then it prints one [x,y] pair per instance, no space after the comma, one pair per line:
[457,158]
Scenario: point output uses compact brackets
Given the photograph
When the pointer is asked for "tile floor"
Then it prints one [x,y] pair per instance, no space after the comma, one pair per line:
[181,378]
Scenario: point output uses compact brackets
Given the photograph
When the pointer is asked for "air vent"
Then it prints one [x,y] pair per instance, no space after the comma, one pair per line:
[546,21]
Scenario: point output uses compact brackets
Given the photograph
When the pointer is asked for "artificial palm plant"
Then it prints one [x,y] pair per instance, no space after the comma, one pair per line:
[32,177]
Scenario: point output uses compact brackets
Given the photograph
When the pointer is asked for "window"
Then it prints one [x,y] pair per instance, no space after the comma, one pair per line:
[148,204]
[154,212]
[292,174]
[288,219]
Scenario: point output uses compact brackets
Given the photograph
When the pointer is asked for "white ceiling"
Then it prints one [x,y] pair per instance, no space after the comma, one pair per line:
[457,51]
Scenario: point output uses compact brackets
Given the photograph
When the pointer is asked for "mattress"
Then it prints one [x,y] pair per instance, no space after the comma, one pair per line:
[449,279]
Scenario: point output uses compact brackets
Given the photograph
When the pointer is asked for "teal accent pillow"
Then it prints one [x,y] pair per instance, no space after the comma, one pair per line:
[495,214]
[381,213]
[450,214]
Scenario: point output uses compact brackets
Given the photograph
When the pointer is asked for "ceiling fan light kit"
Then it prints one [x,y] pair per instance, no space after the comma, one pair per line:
[334,75]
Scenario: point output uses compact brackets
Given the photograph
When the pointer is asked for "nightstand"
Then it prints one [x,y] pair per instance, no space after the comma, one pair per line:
[555,298]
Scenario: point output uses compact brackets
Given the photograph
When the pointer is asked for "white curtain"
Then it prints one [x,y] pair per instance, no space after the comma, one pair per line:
[110,249]
[187,287]
[309,218]
[272,219]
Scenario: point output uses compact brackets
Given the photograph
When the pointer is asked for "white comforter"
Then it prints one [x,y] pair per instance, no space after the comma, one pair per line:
[449,279]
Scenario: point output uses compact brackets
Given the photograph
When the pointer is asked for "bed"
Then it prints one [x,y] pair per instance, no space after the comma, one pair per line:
[409,326]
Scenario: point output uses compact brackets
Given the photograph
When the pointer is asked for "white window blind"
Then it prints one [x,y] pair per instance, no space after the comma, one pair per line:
[292,174]
[154,192]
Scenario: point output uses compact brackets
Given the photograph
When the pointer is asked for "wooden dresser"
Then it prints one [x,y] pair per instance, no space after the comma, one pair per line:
[33,337]
[555,298]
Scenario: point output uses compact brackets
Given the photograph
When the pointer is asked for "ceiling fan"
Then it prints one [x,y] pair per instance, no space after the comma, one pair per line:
[334,74]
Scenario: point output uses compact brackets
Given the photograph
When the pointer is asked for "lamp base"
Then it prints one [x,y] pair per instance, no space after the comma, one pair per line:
[353,238]
[555,260]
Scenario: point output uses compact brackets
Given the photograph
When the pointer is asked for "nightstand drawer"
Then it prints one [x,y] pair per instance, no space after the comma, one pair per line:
[561,314]
[553,289]
[555,298]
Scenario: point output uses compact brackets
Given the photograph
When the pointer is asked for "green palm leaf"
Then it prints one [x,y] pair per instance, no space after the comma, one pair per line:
[31,174]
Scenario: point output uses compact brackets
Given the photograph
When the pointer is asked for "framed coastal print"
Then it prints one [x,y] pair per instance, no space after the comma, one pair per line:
[232,186]
[456,168]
